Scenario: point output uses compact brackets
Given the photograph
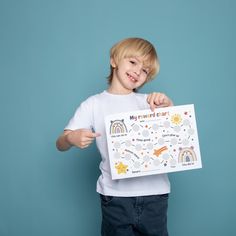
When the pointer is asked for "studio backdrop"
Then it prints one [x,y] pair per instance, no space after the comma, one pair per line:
[55,54]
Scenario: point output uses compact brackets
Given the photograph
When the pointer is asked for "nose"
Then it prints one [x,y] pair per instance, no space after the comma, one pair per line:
[137,70]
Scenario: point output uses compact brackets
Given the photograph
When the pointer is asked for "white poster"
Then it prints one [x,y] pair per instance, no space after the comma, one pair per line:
[145,142]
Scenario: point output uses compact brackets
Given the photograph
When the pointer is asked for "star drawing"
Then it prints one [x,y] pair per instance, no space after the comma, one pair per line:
[157,152]
[121,168]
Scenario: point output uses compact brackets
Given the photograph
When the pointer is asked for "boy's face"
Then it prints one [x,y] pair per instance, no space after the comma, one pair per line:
[129,74]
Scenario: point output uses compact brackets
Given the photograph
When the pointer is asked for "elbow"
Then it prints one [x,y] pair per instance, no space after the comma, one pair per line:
[62,144]
[59,146]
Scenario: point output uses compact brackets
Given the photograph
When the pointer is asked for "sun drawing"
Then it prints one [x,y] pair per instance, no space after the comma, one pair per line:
[176,119]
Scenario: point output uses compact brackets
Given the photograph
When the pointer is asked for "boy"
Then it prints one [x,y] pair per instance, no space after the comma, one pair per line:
[135,206]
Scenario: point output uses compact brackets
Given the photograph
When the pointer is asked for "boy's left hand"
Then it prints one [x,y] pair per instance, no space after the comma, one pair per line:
[157,100]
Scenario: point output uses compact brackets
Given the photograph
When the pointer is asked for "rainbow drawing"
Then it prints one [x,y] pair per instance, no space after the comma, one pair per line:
[187,155]
[118,127]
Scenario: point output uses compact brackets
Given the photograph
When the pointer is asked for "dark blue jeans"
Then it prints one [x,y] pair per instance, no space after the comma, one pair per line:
[134,216]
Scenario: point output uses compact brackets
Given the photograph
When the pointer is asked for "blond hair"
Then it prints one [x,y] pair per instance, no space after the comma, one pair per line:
[135,47]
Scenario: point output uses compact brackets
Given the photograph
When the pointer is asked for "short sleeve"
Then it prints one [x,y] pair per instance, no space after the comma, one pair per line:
[82,118]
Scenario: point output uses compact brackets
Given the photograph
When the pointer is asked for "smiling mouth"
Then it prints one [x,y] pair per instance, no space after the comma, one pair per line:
[133,79]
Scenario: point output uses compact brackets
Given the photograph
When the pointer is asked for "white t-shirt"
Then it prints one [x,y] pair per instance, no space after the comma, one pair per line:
[91,115]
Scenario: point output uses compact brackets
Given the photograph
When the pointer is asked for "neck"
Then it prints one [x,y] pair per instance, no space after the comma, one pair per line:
[116,88]
[118,91]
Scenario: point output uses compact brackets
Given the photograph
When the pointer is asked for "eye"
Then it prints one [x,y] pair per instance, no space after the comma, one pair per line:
[145,71]
[132,62]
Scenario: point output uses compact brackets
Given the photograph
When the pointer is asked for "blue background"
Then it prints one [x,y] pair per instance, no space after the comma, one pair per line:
[54,54]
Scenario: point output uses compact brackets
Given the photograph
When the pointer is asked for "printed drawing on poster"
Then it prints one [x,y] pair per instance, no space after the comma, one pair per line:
[145,142]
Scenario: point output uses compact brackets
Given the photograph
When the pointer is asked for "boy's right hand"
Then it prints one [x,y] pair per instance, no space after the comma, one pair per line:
[81,138]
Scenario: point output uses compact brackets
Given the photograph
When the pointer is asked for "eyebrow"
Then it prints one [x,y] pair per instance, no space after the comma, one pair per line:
[136,59]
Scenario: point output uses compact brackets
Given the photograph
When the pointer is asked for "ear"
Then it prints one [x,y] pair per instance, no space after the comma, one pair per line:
[113,63]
